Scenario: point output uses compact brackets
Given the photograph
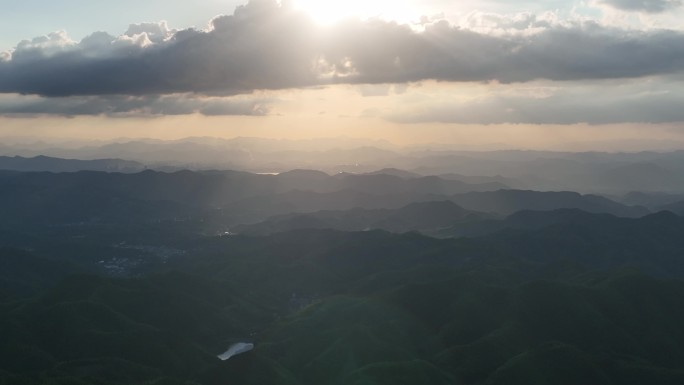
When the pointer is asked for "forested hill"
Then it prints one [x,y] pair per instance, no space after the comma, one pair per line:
[114,279]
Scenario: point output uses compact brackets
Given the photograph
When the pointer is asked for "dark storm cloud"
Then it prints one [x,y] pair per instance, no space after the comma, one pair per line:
[267,46]
[16,105]
[648,6]
[261,46]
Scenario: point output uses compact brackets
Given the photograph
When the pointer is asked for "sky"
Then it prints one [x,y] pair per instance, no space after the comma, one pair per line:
[565,75]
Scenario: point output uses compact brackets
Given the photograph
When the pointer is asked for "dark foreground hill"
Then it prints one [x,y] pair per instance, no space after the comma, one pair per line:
[592,299]
[116,279]
[620,330]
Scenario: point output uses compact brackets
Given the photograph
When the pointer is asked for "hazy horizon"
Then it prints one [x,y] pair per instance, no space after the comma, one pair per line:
[634,145]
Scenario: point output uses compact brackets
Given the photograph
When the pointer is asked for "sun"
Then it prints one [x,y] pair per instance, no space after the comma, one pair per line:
[331,11]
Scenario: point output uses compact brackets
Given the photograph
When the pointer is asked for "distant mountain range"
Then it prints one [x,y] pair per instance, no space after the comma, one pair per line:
[591,172]
[45,163]
[509,201]
[442,219]
[82,194]
[423,216]
[245,198]
[500,202]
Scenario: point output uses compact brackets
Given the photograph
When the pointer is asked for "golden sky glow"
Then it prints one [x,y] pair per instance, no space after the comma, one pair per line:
[355,111]
[330,11]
